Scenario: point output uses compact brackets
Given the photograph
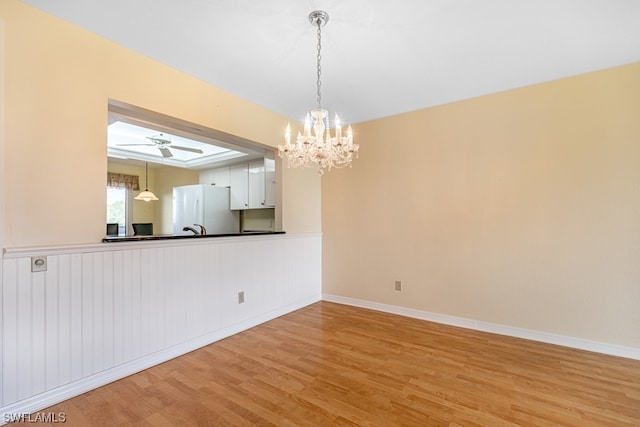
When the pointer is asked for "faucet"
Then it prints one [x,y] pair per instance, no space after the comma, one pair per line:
[203,230]
[190,229]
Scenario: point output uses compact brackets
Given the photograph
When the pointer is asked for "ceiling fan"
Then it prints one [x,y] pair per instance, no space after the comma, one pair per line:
[164,144]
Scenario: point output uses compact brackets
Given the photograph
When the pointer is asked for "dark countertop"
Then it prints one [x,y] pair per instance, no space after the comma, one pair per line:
[111,239]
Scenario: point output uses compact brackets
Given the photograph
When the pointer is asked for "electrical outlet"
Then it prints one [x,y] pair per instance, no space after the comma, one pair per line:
[240,297]
[398,285]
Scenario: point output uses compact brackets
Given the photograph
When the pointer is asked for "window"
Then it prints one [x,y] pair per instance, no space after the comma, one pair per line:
[118,205]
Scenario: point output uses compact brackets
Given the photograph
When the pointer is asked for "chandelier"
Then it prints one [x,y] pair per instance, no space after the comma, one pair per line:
[319,147]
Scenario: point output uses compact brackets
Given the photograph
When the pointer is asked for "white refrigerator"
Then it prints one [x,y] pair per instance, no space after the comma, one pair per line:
[206,205]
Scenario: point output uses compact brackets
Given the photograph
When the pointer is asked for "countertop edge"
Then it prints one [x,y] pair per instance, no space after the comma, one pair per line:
[99,247]
[115,239]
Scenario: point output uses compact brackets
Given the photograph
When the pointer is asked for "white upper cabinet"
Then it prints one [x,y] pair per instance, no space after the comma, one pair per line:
[218,177]
[253,184]
[239,183]
[269,183]
[256,184]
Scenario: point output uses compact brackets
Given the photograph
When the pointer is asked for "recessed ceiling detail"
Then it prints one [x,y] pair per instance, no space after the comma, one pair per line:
[128,141]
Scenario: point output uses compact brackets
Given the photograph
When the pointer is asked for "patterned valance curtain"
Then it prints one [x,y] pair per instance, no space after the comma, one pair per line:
[123,181]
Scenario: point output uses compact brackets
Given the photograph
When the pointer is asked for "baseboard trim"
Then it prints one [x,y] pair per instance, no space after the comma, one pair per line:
[565,341]
[60,394]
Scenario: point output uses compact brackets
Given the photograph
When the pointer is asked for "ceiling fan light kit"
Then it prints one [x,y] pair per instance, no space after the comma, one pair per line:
[319,149]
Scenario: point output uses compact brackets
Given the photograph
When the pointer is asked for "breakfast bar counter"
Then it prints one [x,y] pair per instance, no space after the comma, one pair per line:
[112,239]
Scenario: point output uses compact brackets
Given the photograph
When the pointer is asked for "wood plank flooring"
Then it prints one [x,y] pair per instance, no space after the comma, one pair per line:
[336,365]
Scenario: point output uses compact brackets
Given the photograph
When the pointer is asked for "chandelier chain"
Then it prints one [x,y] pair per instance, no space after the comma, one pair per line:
[319,67]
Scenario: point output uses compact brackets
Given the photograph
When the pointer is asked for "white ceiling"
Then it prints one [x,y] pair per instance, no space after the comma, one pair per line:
[379,58]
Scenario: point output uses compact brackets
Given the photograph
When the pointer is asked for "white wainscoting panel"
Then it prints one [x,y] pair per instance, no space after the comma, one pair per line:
[101,312]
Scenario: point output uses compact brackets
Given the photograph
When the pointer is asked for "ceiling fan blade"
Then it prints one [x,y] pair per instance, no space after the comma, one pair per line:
[165,152]
[130,145]
[193,150]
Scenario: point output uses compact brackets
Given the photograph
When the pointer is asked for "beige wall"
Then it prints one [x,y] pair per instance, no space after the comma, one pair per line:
[301,203]
[166,178]
[520,208]
[258,219]
[56,83]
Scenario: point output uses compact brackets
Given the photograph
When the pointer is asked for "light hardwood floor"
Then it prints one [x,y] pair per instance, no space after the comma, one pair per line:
[330,364]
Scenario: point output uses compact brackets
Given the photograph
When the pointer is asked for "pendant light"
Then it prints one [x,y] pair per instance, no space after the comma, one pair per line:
[146,195]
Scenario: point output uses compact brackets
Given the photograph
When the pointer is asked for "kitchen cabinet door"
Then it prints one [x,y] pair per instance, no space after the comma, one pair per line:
[253,184]
[256,184]
[218,177]
[239,183]
[269,183]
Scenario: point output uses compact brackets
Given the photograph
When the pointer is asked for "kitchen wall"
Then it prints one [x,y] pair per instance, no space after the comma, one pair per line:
[142,211]
[166,179]
[258,219]
[520,208]
[57,80]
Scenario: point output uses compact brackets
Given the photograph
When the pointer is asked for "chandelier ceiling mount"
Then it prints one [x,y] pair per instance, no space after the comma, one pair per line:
[319,18]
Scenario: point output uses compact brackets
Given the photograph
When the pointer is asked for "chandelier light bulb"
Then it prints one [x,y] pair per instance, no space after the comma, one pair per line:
[287,135]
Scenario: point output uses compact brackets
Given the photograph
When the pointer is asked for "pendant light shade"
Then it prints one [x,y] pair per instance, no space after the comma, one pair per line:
[146,195]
